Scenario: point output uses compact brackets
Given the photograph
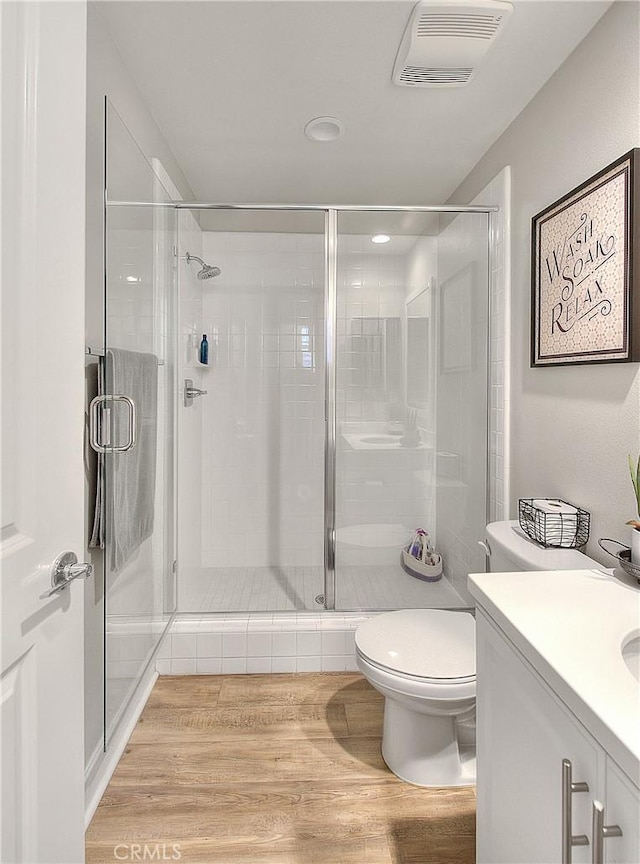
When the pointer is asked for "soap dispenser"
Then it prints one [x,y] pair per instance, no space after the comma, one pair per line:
[204,350]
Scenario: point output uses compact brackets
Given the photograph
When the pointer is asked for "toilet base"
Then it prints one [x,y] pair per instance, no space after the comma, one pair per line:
[423,749]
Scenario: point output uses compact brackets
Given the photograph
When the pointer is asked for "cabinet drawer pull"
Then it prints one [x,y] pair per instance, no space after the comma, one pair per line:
[570,840]
[600,832]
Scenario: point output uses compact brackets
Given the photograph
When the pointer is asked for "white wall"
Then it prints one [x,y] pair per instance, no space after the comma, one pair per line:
[572,427]
[107,75]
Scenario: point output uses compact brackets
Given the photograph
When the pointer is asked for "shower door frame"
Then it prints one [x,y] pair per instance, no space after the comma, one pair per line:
[331,212]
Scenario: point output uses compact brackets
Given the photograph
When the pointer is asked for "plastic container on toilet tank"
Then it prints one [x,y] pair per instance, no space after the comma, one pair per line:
[511,550]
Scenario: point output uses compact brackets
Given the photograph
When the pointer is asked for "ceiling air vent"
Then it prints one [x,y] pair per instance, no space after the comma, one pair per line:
[421,75]
[445,41]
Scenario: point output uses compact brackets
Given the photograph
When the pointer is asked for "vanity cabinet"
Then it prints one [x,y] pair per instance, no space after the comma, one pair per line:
[524,735]
[622,806]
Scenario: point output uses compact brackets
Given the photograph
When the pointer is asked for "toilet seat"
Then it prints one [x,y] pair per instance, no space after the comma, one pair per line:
[404,676]
[427,645]
[443,691]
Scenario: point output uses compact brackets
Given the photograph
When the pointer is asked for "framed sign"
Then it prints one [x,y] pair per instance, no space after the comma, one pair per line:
[585,258]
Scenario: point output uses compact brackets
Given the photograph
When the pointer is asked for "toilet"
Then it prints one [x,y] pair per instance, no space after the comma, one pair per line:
[423,662]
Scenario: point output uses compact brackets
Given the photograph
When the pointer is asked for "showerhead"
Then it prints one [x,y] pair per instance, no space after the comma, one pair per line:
[208,271]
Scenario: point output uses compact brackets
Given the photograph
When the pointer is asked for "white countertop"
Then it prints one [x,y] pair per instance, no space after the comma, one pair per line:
[570,625]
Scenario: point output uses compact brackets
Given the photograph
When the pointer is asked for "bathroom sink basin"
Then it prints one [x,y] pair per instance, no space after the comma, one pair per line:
[380,439]
[631,655]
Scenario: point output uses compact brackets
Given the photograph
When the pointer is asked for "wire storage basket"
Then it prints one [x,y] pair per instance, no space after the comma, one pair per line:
[552,522]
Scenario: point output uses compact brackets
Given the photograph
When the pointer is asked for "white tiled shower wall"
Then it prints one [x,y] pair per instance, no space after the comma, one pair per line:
[262,421]
[263,418]
[190,421]
[371,291]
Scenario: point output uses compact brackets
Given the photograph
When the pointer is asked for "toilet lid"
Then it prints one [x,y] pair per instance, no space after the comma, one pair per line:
[427,643]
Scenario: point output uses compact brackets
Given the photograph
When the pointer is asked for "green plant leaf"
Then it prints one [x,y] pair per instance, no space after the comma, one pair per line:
[634,470]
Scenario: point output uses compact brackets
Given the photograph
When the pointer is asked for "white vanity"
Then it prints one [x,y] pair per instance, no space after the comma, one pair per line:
[558,732]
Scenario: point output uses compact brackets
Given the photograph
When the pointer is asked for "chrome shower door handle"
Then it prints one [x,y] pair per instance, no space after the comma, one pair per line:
[96,429]
[570,840]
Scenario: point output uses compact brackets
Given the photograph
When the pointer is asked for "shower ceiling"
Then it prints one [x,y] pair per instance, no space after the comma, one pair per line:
[233,84]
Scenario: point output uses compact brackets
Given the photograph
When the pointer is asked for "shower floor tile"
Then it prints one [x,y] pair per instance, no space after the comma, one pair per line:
[273,769]
[286,589]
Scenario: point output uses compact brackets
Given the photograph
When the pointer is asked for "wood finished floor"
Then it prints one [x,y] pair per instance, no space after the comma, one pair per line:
[272,769]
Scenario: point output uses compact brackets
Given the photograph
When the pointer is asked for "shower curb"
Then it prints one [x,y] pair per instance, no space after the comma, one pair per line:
[261,643]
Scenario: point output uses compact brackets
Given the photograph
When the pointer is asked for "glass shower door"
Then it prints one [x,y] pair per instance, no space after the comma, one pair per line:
[251,450]
[411,404]
[137,416]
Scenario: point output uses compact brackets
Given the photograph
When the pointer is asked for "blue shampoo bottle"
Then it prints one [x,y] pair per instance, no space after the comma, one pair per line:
[204,350]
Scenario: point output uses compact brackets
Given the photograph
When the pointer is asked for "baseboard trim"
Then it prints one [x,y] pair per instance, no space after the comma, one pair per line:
[102,765]
[92,765]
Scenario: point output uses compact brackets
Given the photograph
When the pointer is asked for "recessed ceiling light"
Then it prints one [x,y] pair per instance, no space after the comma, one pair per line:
[380,238]
[132,279]
[324,129]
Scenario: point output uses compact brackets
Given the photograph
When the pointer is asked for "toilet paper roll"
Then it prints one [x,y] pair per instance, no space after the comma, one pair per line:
[560,521]
[554,505]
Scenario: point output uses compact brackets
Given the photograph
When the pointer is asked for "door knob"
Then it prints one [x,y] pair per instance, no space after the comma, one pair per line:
[64,570]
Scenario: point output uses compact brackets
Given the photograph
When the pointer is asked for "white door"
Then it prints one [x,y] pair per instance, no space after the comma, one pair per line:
[43,78]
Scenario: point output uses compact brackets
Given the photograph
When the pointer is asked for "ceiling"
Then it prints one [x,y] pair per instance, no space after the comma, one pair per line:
[232,83]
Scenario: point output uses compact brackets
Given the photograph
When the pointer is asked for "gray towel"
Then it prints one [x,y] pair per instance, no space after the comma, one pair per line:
[131,476]
[97,533]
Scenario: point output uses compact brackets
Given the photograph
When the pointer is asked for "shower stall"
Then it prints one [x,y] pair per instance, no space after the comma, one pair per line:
[344,404]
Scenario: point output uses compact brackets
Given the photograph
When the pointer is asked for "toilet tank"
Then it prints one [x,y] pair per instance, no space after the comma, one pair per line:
[509,549]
